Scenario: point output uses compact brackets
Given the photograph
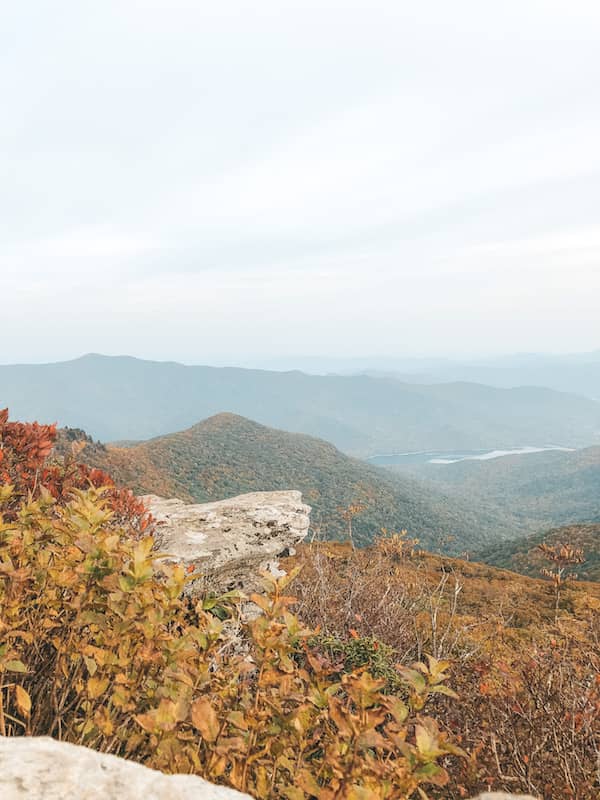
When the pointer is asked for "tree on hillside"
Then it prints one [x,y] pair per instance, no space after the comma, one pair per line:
[562,557]
[348,513]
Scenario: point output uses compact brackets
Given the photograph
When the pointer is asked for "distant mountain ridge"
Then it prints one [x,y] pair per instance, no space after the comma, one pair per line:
[578,373]
[122,398]
[227,455]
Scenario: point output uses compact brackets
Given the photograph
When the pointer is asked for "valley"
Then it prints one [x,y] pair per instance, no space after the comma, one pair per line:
[451,457]
[553,487]
[450,462]
[227,455]
[481,507]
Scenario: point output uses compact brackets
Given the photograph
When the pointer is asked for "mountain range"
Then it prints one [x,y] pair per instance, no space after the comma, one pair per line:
[122,398]
[579,373]
[576,372]
[497,510]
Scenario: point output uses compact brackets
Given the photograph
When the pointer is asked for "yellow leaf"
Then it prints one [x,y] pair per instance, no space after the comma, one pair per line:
[104,722]
[204,719]
[263,785]
[23,701]
[97,686]
[146,721]
[91,665]
[341,718]
[237,718]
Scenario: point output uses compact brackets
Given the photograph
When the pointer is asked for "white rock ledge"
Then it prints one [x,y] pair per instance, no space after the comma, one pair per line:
[231,540]
[44,769]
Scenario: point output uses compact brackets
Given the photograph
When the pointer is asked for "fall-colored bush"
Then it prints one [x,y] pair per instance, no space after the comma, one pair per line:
[308,697]
[99,646]
[528,680]
[26,465]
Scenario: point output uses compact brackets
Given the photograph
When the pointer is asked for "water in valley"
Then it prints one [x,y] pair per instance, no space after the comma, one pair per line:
[453,456]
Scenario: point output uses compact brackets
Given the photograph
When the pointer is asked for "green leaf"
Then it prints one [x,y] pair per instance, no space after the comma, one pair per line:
[397,708]
[413,678]
[432,773]
[15,666]
[443,690]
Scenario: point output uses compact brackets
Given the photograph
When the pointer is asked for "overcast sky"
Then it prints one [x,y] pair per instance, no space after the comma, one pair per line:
[236,181]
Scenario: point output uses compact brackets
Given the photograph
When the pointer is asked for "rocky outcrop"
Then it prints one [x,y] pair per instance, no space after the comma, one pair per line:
[44,769]
[231,541]
[33,768]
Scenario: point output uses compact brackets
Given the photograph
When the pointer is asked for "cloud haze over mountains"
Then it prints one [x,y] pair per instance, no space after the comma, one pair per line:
[214,182]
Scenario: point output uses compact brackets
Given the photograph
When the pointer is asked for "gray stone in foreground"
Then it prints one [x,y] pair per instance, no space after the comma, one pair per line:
[44,769]
[231,540]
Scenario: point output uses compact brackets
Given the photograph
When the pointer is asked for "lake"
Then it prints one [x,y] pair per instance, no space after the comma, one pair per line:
[453,456]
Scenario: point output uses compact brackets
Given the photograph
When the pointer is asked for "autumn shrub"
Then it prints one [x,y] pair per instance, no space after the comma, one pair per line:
[357,652]
[385,592]
[26,464]
[99,647]
[396,546]
[534,723]
[529,684]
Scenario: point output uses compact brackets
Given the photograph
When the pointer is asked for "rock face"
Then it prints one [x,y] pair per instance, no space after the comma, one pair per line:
[43,769]
[230,541]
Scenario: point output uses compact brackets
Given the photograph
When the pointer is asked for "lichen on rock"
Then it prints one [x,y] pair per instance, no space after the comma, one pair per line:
[230,541]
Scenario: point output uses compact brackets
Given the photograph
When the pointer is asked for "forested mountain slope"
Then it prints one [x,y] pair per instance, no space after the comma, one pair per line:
[523,555]
[547,489]
[228,455]
[125,398]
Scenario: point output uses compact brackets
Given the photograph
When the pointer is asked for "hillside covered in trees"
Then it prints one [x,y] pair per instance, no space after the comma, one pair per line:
[541,490]
[227,455]
[385,672]
[524,556]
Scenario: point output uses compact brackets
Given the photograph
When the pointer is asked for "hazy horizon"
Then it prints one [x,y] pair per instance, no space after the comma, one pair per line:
[253,182]
[307,361]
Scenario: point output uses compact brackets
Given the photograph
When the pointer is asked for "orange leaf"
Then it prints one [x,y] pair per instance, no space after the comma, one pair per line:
[23,700]
[204,719]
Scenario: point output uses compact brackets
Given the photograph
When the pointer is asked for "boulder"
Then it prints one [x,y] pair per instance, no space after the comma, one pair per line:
[230,541]
[33,768]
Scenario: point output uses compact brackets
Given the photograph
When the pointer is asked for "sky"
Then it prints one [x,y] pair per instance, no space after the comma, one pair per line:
[241,181]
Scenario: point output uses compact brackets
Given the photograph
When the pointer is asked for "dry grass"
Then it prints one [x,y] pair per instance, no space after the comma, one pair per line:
[529,684]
